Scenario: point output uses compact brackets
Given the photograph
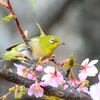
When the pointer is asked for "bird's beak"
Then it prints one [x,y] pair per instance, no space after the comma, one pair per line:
[62,43]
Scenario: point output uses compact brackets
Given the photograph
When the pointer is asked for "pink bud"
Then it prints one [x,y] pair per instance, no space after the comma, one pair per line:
[39,68]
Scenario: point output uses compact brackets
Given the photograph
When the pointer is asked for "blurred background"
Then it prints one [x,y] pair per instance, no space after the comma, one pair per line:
[76,22]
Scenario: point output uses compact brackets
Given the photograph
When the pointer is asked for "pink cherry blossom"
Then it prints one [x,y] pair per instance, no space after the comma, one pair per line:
[36,89]
[95,91]
[21,70]
[39,68]
[88,69]
[25,72]
[52,77]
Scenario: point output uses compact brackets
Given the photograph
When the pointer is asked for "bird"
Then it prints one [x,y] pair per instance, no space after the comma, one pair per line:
[41,46]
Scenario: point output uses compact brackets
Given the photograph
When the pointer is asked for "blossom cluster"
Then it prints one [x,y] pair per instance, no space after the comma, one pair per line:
[51,76]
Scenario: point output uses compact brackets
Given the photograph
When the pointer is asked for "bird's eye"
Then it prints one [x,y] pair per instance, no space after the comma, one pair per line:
[52,40]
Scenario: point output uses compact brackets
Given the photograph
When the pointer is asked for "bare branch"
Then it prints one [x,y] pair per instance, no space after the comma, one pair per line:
[17,21]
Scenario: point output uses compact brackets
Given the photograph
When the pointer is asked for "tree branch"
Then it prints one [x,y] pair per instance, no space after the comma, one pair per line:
[50,91]
[17,21]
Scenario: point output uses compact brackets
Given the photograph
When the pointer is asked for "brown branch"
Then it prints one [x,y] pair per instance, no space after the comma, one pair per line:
[17,21]
[50,91]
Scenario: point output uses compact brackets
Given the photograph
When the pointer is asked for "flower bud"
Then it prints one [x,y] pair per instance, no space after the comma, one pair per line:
[39,68]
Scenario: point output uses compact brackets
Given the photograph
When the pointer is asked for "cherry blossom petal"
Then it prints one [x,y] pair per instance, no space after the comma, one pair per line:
[95,91]
[43,84]
[49,69]
[99,76]
[53,79]
[30,92]
[65,86]
[53,82]
[92,71]
[82,75]
[93,62]
[59,78]
[50,80]
[36,90]
[82,89]
[20,69]
[46,77]
[39,93]
[85,62]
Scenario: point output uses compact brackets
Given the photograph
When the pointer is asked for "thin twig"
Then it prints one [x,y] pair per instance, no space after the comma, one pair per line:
[17,21]
[20,29]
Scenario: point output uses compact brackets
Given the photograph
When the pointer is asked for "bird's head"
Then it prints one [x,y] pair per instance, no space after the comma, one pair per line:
[50,42]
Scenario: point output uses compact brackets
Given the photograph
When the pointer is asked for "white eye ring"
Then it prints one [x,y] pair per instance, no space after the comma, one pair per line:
[52,40]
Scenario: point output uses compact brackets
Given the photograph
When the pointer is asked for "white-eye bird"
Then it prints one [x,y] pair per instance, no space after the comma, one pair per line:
[42,47]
